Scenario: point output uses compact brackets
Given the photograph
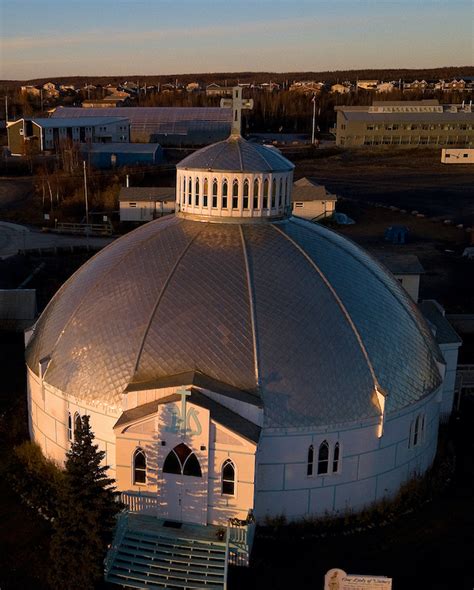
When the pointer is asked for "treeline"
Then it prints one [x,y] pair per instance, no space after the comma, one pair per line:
[232,78]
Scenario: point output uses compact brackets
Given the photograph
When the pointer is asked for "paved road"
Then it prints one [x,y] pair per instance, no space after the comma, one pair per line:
[14,237]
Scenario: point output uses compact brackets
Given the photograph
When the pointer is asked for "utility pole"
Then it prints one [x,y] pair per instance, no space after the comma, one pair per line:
[6,109]
[85,193]
[314,118]
[41,94]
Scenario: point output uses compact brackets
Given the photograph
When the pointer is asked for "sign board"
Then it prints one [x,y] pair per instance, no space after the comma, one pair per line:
[337,579]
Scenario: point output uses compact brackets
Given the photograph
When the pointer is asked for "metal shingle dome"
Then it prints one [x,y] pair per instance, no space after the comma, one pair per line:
[288,311]
[235,154]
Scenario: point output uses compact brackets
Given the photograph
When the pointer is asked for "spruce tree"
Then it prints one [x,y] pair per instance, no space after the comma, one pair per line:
[86,515]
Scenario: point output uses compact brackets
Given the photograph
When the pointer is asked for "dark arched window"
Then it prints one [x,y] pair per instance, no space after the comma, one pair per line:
[69,426]
[274,192]
[235,194]
[323,458]
[228,478]
[77,421]
[265,194]
[224,194]
[335,458]
[139,466]
[196,194]
[255,193]
[182,461]
[190,191]
[214,192]
[205,188]
[183,196]
[246,194]
[280,196]
[310,463]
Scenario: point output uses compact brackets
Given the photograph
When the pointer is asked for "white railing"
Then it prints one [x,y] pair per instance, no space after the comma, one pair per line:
[241,535]
[136,502]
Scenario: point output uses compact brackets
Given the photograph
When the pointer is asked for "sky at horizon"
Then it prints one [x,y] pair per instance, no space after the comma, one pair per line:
[48,38]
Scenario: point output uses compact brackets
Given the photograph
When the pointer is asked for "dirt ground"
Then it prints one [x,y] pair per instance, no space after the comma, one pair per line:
[413,179]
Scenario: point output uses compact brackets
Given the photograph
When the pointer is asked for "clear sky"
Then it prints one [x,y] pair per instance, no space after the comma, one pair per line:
[47,38]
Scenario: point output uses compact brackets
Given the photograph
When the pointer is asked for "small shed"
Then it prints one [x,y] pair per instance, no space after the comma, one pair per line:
[406,268]
[311,200]
[111,155]
[143,203]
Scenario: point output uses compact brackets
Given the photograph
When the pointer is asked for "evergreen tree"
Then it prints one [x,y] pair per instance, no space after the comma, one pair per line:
[86,515]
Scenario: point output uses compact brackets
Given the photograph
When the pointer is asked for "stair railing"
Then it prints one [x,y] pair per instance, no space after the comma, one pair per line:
[121,528]
[226,562]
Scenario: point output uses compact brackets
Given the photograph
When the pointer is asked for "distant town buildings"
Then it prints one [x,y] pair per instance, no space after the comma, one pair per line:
[405,123]
[457,156]
[40,134]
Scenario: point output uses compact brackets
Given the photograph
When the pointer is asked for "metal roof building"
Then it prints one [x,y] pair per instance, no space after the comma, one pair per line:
[168,126]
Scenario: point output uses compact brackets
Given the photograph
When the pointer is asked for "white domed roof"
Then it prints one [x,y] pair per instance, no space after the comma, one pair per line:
[288,311]
[237,155]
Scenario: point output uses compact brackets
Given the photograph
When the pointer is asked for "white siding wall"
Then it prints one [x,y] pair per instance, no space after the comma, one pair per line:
[370,468]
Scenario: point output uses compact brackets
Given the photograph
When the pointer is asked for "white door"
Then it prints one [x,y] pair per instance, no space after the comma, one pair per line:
[183,492]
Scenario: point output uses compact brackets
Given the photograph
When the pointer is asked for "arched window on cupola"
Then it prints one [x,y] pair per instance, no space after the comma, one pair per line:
[69,426]
[274,192]
[265,194]
[323,458]
[139,466]
[287,191]
[246,194]
[190,191]
[182,461]
[280,196]
[224,193]
[235,194]
[335,458]
[196,194]
[228,478]
[310,462]
[256,184]
[183,195]
[205,189]
[214,192]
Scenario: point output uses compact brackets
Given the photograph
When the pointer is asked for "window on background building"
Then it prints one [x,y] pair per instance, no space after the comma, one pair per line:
[228,478]
[214,192]
[335,458]
[139,466]
[310,461]
[323,458]
[182,461]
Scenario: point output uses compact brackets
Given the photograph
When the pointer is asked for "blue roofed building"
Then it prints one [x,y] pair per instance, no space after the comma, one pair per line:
[111,155]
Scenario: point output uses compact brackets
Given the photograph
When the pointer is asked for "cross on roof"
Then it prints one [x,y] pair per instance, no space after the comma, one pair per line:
[237,104]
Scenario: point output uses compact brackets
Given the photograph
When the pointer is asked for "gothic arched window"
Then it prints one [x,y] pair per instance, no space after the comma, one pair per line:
[77,421]
[310,463]
[224,194]
[274,192]
[335,458]
[265,194]
[190,191]
[228,478]
[182,461]
[246,194]
[255,193]
[139,466]
[280,196]
[323,458]
[69,426]
[205,189]
[214,192]
[235,194]
[196,194]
